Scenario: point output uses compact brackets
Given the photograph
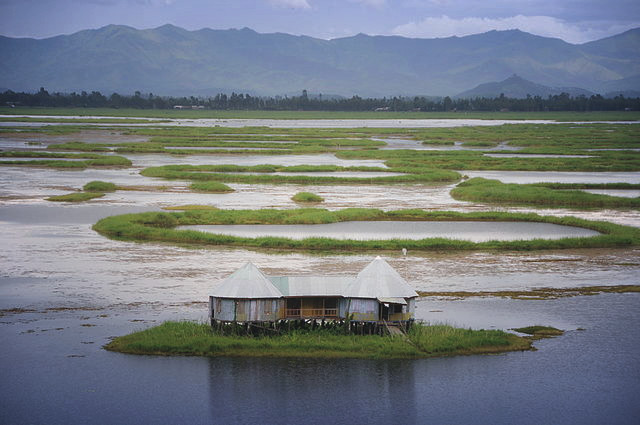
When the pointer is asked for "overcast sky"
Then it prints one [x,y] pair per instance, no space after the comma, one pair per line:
[575,21]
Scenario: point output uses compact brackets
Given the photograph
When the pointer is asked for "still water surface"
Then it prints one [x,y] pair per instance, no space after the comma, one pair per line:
[475,231]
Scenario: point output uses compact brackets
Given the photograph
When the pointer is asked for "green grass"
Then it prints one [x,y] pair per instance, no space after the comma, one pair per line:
[57,160]
[75,197]
[213,172]
[210,187]
[494,191]
[158,227]
[193,339]
[307,197]
[99,186]
[540,331]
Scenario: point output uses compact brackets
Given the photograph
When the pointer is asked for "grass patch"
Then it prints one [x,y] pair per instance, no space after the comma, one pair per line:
[307,197]
[142,227]
[540,331]
[194,339]
[225,173]
[75,197]
[99,186]
[210,187]
[61,160]
[493,191]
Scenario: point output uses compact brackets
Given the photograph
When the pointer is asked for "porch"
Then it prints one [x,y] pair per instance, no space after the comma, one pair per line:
[312,308]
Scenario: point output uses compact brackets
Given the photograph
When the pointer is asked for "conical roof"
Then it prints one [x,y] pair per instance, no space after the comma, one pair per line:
[379,280]
[246,282]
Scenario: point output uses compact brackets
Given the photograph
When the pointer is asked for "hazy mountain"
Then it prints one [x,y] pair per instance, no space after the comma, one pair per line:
[171,60]
[517,87]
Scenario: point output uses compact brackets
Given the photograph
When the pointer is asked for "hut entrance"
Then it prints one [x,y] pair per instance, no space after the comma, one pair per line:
[392,312]
[312,307]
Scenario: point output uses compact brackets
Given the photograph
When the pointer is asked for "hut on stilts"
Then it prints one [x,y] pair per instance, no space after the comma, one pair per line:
[374,301]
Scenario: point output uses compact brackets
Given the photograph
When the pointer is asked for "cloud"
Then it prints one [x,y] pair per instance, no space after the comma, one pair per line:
[545,26]
[373,3]
[291,4]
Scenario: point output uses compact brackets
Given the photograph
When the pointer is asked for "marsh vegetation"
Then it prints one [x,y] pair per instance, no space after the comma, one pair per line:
[194,339]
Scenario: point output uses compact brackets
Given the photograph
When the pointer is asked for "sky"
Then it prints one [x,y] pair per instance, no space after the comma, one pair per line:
[575,21]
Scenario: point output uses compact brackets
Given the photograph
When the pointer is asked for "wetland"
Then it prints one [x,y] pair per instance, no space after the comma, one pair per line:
[67,290]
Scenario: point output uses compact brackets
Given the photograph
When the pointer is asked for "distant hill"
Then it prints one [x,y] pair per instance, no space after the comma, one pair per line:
[517,87]
[172,61]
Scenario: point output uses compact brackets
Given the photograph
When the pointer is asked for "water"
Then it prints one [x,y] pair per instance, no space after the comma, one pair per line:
[79,289]
[476,231]
[275,123]
[624,193]
[154,160]
[588,376]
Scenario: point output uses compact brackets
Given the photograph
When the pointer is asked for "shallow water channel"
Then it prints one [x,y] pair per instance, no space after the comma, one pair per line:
[475,231]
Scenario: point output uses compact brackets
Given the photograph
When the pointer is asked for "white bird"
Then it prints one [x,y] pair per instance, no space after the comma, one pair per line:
[404,251]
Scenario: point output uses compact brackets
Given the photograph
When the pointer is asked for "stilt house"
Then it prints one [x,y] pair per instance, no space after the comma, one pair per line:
[377,293]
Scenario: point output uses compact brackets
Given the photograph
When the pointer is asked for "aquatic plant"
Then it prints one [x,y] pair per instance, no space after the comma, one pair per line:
[307,197]
[136,227]
[99,186]
[75,197]
[493,191]
[195,339]
[210,187]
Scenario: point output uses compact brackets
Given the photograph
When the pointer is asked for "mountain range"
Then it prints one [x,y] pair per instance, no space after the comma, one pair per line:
[169,60]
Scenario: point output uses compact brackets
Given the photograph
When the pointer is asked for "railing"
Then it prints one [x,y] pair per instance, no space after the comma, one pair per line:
[312,312]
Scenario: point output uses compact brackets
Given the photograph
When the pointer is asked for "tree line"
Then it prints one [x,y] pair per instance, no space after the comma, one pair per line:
[95,99]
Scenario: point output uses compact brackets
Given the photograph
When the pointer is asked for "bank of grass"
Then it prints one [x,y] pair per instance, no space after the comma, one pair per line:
[160,227]
[75,197]
[210,187]
[493,191]
[603,161]
[194,339]
[61,160]
[307,197]
[222,173]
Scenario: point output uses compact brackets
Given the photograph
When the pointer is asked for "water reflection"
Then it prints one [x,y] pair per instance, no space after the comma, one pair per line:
[286,391]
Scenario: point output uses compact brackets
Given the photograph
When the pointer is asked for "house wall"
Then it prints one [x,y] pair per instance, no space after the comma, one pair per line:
[363,309]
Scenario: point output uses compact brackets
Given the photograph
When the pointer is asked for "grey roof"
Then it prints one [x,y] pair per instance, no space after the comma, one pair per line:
[311,286]
[379,280]
[246,282]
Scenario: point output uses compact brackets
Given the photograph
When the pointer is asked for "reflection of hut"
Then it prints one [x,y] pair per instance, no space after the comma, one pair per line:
[377,294]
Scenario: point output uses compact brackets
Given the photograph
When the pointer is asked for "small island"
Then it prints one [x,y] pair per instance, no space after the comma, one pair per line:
[367,316]
[421,341]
